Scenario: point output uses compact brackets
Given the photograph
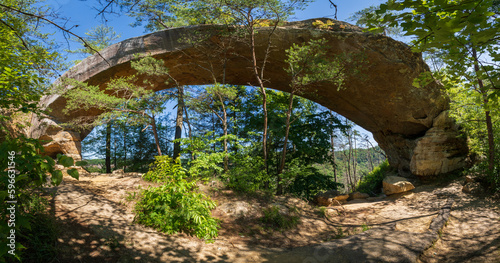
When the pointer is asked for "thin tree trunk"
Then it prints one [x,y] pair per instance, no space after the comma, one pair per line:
[155,133]
[213,127]
[334,163]
[489,123]
[115,159]
[179,121]
[190,134]
[279,188]
[124,148]
[264,96]
[108,148]
[348,179]
[354,159]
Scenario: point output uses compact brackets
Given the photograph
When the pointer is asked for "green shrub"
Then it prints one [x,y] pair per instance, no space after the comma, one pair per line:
[176,205]
[308,181]
[279,221]
[207,165]
[41,240]
[372,182]
[164,169]
[247,174]
[21,162]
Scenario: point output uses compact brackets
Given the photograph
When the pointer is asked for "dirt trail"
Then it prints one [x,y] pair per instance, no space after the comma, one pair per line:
[98,227]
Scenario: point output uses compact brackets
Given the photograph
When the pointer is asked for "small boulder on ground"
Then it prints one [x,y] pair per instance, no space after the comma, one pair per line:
[469,179]
[119,171]
[473,188]
[330,198]
[396,184]
[358,195]
[341,197]
[323,199]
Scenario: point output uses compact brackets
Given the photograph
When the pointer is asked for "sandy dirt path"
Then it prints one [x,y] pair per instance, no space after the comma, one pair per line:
[97,226]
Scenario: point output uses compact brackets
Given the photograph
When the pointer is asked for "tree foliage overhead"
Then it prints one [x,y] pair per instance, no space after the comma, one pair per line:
[464,36]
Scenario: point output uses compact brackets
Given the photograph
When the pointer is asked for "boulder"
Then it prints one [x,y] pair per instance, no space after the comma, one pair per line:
[472,188]
[119,171]
[358,195]
[396,184]
[326,198]
[469,179]
[341,197]
[323,201]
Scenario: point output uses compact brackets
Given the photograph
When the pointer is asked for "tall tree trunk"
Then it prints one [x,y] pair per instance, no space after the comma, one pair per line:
[348,177]
[279,188]
[190,132]
[108,148]
[354,159]
[226,159]
[264,95]
[370,158]
[213,134]
[124,148]
[114,156]
[489,123]
[334,163]
[179,121]
[350,160]
[155,133]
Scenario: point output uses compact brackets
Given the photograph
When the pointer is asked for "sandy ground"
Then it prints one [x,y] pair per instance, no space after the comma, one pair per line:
[96,216]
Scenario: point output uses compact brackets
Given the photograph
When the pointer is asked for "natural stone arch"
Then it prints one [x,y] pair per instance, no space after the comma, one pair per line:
[410,124]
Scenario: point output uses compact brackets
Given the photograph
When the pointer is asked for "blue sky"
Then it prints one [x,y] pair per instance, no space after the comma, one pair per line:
[83,14]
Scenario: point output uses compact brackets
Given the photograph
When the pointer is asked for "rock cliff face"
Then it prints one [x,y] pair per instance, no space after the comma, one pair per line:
[407,122]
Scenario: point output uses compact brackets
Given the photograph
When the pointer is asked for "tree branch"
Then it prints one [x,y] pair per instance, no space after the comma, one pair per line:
[85,43]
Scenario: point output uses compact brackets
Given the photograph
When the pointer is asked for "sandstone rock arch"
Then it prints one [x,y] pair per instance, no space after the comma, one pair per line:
[410,124]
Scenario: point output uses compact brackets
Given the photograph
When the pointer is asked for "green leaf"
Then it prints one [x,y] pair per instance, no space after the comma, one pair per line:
[66,161]
[50,161]
[57,177]
[3,194]
[22,177]
[74,173]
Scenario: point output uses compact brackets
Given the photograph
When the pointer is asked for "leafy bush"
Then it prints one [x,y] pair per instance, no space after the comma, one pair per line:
[372,182]
[21,162]
[207,165]
[175,206]
[309,181]
[279,221]
[247,174]
[40,239]
[163,169]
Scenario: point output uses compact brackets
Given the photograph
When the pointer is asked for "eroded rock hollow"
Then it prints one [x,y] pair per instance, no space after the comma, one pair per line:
[410,124]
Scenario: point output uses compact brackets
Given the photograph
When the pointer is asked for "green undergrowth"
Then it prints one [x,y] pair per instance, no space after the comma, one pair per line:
[39,237]
[176,205]
[372,182]
[277,220]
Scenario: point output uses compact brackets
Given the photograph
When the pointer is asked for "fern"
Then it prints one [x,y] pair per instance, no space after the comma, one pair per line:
[176,205]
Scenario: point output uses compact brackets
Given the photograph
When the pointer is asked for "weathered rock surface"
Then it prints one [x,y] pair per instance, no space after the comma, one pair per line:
[341,197]
[441,150]
[380,99]
[473,188]
[396,184]
[326,198]
[358,195]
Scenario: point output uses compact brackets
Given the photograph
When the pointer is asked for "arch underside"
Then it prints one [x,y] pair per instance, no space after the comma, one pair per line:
[410,124]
